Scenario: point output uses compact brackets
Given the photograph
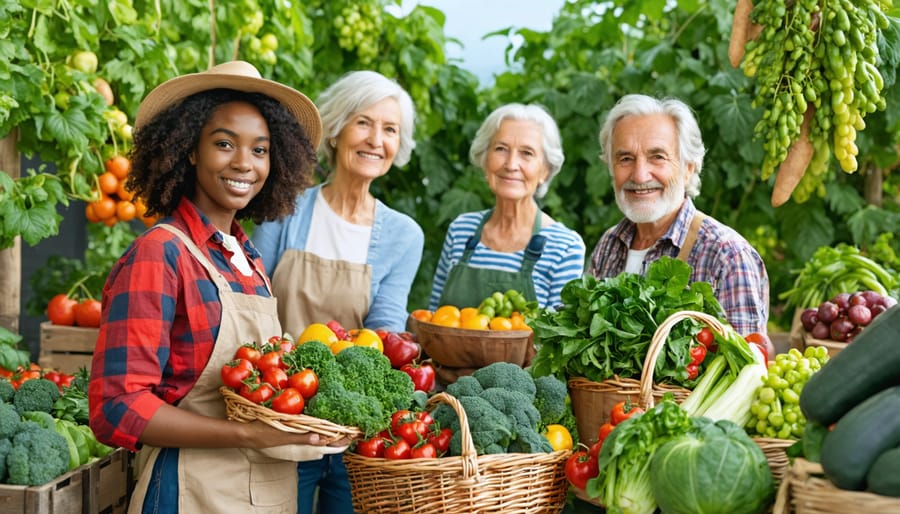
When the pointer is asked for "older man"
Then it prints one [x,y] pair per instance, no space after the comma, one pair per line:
[654,151]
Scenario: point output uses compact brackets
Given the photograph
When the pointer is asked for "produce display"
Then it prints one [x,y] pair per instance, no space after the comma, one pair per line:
[500,311]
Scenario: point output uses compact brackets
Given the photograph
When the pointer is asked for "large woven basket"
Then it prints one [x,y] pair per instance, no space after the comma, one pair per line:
[238,408]
[592,401]
[459,351]
[522,483]
[806,490]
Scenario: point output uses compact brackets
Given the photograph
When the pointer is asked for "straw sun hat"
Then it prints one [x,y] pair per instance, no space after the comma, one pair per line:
[238,75]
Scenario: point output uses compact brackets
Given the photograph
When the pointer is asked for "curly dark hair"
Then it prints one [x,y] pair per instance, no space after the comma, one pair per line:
[161,172]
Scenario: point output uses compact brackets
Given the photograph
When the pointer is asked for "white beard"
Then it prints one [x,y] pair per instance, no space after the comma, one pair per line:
[650,211]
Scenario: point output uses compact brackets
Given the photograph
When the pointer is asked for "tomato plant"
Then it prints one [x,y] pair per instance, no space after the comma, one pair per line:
[61,310]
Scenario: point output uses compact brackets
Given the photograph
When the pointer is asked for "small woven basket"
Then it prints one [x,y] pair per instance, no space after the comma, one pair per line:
[592,401]
[806,490]
[469,483]
[775,452]
[241,409]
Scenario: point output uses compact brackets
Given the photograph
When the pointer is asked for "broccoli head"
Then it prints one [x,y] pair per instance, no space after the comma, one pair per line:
[550,398]
[466,385]
[10,420]
[529,441]
[362,360]
[37,455]
[5,446]
[37,394]
[487,425]
[519,408]
[445,416]
[506,375]
[351,408]
[7,391]
[314,355]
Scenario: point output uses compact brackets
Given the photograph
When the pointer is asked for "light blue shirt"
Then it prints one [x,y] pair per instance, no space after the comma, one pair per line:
[395,252]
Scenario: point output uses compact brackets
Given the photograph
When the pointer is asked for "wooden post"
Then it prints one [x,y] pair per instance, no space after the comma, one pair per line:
[10,258]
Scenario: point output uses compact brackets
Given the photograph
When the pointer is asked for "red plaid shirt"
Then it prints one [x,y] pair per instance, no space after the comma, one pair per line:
[161,317]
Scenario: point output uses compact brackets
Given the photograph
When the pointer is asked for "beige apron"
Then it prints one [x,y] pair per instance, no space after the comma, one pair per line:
[311,289]
[225,480]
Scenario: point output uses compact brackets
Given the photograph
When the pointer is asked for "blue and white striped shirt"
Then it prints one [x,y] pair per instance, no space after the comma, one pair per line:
[561,261]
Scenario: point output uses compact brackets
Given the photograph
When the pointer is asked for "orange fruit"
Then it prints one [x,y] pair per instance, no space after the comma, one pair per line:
[125,210]
[422,314]
[104,208]
[477,322]
[367,337]
[447,316]
[90,215]
[499,323]
[122,192]
[518,322]
[317,332]
[108,182]
[467,313]
[340,345]
[110,221]
[118,165]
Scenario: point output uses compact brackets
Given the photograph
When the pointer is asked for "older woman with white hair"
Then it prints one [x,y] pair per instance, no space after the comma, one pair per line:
[513,245]
[344,255]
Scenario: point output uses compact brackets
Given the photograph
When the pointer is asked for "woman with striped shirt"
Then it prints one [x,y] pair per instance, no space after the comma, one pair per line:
[513,245]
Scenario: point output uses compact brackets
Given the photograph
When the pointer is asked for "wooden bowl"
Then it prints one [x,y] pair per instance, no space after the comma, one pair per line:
[467,348]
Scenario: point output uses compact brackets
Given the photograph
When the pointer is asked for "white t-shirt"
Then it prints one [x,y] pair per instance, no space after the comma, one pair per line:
[238,259]
[333,237]
[635,262]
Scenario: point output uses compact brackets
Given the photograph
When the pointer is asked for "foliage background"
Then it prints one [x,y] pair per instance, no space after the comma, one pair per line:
[594,53]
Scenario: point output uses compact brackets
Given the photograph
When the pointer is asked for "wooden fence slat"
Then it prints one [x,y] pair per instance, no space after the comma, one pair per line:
[10,258]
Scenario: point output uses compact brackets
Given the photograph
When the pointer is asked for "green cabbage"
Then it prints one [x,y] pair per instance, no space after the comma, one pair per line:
[714,469]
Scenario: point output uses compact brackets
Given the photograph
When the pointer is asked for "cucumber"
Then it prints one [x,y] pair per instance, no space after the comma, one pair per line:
[883,477]
[860,437]
[864,367]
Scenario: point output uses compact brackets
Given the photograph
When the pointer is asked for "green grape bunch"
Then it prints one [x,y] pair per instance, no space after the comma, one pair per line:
[775,411]
[820,55]
[359,27]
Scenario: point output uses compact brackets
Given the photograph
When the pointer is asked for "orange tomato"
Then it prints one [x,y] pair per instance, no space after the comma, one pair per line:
[90,215]
[467,313]
[422,314]
[477,322]
[446,316]
[125,210]
[122,192]
[118,165]
[518,322]
[104,208]
[498,323]
[108,183]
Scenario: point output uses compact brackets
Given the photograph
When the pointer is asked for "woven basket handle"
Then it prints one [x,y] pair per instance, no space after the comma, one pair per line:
[659,341]
[469,455]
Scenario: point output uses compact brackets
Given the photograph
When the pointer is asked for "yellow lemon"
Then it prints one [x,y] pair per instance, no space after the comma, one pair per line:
[317,332]
[559,437]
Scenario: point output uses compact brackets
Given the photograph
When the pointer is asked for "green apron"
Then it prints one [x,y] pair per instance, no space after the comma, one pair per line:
[467,286]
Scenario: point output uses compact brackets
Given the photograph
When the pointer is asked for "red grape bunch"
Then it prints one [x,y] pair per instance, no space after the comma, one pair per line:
[845,315]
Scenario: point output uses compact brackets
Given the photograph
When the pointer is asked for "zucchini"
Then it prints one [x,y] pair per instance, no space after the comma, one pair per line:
[883,477]
[860,437]
[864,367]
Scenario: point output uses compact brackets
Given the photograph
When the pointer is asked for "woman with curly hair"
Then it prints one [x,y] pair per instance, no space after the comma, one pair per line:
[210,149]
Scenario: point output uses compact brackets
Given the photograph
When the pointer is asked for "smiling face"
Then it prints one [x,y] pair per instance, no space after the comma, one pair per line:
[514,163]
[647,173]
[368,142]
[232,161]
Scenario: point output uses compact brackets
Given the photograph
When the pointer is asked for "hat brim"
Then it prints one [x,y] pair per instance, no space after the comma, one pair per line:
[173,91]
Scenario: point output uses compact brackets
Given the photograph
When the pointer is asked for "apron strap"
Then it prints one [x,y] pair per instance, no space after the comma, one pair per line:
[532,251]
[691,236]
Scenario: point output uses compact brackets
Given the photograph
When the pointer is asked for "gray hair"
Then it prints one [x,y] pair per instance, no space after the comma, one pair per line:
[690,142]
[552,142]
[356,91]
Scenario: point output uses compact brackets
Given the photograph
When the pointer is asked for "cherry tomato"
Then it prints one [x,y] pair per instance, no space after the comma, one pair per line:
[581,467]
[399,450]
[624,410]
[440,439]
[306,381]
[372,447]
[270,359]
[692,370]
[276,377]
[423,451]
[413,431]
[235,372]
[87,313]
[288,401]
[257,393]
[706,337]
[248,351]
[398,418]
[698,353]
[61,310]
[424,417]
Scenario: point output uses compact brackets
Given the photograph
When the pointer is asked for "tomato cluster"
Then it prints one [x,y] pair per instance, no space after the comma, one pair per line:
[33,371]
[260,374]
[65,310]
[412,435]
[114,202]
[583,465]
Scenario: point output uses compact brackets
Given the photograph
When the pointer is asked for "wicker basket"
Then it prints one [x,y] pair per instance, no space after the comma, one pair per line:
[241,409]
[469,483]
[775,452]
[806,490]
[592,401]
[459,351]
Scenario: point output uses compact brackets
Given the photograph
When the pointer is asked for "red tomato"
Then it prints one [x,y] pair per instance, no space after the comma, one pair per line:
[276,377]
[248,351]
[706,337]
[692,370]
[763,342]
[423,451]
[286,345]
[288,401]
[306,381]
[87,313]
[235,372]
[422,375]
[698,353]
[424,417]
[270,359]
[398,418]
[604,430]
[399,450]
[440,439]
[594,451]
[623,410]
[61,310]
[372,447]
[580,467]
[52,376]
[257,393]
[65,380]
[413,431]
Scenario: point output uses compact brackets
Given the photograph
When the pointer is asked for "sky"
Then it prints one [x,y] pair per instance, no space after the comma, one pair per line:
[469,20]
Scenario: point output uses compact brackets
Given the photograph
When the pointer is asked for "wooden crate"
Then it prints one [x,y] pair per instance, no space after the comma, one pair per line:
[66,348]
[108,483]
[834,347]
[64,495]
